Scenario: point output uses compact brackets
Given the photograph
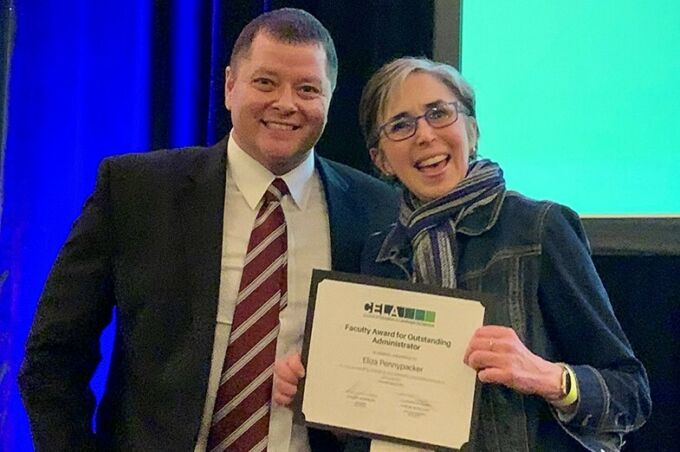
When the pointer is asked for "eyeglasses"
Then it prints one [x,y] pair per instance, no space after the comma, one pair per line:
[437,116]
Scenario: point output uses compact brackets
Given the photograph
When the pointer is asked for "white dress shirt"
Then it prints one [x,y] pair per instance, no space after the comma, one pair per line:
[308,248]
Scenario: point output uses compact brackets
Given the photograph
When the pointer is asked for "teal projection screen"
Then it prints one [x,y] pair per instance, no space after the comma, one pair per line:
[579,101]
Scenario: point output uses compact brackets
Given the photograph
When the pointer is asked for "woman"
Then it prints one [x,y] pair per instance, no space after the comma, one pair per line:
[557,372]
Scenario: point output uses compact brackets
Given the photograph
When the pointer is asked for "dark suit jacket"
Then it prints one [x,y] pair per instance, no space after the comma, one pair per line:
[148,243]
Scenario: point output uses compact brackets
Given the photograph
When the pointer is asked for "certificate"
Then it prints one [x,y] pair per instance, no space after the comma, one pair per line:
[384,359]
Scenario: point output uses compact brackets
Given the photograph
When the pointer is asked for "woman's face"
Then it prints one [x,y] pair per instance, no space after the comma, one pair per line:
[431,162]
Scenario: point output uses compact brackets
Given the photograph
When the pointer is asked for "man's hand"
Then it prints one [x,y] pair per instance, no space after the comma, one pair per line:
[287,374]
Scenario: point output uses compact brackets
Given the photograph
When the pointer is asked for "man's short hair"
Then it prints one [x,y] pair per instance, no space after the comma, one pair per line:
[290,26]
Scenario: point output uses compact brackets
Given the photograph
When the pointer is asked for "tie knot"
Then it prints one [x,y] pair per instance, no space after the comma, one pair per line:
[276,191]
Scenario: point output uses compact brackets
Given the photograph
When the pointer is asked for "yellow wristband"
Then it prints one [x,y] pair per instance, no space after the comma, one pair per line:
[569,388]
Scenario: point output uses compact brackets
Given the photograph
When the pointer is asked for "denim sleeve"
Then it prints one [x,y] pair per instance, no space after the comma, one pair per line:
[613,387]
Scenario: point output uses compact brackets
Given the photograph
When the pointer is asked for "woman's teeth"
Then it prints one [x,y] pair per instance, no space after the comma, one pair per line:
[432,161]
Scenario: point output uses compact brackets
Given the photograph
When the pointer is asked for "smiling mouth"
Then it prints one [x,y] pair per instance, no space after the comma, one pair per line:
[273,125]
[433,163]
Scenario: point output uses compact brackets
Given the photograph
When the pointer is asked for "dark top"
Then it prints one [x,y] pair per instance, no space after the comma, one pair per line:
[535,258]
[147,245]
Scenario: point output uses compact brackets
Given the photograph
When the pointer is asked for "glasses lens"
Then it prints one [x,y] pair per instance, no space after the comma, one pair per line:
[400,129]
[441,115]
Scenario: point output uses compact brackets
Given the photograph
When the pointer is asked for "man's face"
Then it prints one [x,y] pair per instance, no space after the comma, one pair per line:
[278,96]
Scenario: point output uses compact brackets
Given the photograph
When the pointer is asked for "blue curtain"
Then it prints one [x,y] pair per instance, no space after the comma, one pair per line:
[92,79]
[6,317]
[78,90]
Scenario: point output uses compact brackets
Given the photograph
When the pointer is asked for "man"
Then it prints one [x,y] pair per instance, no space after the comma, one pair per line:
[165,239]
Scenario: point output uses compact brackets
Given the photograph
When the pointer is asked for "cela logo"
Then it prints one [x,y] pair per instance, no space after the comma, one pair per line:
[400,312]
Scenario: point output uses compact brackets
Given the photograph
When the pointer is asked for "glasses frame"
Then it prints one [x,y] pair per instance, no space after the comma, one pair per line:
[457,108]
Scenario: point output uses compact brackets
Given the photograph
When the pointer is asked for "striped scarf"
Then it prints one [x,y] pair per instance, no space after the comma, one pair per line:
[431,226]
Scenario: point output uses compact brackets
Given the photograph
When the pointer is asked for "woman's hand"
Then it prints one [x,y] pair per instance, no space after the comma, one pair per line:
[498,356]
[287,373]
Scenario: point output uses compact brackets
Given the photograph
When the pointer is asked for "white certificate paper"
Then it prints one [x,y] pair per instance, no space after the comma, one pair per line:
[384,359]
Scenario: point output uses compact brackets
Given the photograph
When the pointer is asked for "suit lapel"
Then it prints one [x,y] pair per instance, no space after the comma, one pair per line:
[343,211]
[201,206]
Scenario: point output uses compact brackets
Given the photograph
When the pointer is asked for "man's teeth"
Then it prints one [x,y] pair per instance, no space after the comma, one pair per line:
[278,126]
[431,161]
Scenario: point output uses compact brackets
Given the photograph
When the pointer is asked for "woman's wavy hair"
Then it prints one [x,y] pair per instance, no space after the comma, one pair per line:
[391,76]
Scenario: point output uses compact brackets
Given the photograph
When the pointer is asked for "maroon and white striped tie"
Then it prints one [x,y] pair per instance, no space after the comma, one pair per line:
[241,417]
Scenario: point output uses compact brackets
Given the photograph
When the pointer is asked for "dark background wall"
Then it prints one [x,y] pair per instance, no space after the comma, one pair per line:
[638,260]
[645,294]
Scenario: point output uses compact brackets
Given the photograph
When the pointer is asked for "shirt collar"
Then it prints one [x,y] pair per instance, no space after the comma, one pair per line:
[252,179]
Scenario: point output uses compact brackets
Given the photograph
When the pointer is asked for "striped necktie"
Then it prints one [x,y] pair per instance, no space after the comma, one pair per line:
[241,417]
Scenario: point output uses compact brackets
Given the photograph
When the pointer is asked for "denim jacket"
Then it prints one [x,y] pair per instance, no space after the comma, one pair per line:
[534,256]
